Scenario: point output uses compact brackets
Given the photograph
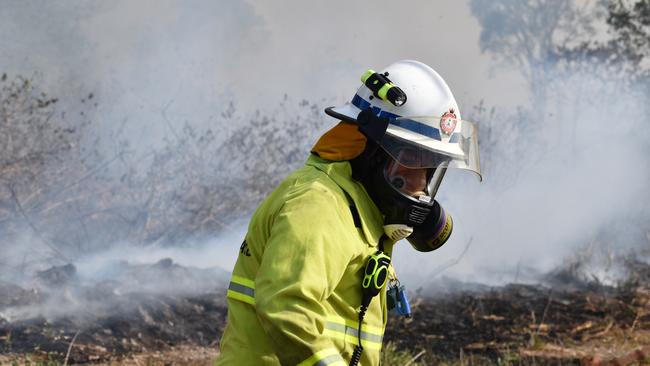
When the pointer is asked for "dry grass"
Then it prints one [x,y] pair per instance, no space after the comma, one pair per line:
[185,355]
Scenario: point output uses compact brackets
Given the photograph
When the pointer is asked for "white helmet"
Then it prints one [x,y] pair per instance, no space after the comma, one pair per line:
[422,114]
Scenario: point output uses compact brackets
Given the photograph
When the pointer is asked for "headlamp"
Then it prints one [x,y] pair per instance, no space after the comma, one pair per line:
[383,88]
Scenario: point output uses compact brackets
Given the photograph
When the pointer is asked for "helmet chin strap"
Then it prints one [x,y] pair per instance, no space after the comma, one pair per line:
[397,232]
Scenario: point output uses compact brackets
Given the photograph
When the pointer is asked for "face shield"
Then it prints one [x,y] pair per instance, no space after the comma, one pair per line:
[412,182]
[434,144]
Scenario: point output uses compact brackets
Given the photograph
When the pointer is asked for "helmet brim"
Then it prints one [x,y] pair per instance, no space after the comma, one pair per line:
[347,112]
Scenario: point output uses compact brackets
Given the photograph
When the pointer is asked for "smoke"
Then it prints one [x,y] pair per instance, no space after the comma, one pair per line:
[567,192]
[565,173]
[560,174]
[189,60]
[115,280]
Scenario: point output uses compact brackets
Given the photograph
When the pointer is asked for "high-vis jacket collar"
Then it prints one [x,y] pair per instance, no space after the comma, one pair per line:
[341,173]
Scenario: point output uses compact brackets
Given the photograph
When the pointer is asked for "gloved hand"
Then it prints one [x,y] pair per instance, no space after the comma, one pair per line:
[372,126]
[433,232]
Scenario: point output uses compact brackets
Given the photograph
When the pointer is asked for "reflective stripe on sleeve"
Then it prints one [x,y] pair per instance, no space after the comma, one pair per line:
[326,357]
[241,289]
[346,330]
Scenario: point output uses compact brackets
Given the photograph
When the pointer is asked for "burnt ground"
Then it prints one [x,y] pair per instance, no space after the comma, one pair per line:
[526,323]
[156,323]
[112,318]
[585,323]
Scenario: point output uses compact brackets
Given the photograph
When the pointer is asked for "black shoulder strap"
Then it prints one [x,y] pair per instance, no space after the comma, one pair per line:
[355,216]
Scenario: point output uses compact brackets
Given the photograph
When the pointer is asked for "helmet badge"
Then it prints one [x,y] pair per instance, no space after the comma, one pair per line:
[448,122]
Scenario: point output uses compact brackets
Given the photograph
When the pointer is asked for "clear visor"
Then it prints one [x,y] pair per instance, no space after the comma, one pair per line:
[429,143]
[414,182]
[410,181]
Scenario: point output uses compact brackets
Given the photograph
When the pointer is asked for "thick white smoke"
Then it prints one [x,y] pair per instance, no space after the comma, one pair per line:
[554,182]
[573,181]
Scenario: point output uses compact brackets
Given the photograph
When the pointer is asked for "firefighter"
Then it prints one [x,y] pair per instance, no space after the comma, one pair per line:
[301,291]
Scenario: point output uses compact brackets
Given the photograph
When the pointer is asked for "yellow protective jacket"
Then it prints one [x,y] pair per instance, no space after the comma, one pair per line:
[295,290]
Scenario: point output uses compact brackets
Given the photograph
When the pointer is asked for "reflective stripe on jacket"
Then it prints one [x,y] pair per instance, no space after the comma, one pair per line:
[295,290]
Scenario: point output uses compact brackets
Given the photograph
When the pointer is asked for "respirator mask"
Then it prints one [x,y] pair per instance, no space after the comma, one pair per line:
[404,191]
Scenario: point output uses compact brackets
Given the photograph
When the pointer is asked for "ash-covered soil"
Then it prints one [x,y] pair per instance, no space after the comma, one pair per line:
[568,318]
[562,322]
[155,323]
[529,323]
[142,308]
